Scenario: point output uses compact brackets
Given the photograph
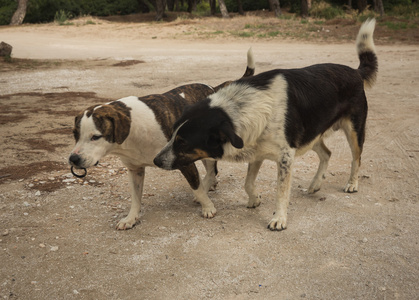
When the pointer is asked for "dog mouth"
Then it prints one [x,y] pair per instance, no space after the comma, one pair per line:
[80,168]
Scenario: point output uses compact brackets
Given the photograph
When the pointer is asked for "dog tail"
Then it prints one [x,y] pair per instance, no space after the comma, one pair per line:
[250,70]
[368,65]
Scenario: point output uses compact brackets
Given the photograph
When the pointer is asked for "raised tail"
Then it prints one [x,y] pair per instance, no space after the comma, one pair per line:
[250,70]
[368,65]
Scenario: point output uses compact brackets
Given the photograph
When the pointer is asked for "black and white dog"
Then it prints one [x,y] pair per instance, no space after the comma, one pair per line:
[135,129]
[278,115]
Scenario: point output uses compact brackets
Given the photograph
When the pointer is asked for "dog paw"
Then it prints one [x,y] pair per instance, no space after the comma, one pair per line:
[277,224]
[351,187]
[253,202]
[126,223]
[208,212]
[314,187]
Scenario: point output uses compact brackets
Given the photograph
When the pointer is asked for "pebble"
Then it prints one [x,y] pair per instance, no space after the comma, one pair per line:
[38,193]
[25,214]
[42,245]
[364,240]
[26,204]
[69,180]
[6,232]
[54,248]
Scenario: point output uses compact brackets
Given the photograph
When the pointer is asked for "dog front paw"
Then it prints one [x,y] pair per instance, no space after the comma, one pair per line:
[253,202]
[126,223]
[277,224]
[209,212]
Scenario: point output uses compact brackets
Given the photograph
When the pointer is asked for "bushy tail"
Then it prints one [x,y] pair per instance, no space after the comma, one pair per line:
[250,70]
[368,65]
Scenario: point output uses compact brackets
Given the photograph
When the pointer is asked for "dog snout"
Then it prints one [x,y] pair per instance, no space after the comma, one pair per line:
[158,162]
[74,159]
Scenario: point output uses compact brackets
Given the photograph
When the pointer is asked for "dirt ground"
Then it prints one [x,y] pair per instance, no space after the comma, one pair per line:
[57,236]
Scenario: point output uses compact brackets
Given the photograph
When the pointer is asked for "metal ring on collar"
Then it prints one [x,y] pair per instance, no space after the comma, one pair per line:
[77,175]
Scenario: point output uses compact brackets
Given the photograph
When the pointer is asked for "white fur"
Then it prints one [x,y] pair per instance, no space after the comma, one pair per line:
[258,115]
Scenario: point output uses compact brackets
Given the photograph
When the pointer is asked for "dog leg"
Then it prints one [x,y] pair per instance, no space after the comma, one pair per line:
[136,182]
[279,221]
[324,155]
[249,186]
[192,176]
[210,180]
[352,137]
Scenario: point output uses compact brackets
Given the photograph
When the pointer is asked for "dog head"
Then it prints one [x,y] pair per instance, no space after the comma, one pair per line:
[97,130]
[201,132]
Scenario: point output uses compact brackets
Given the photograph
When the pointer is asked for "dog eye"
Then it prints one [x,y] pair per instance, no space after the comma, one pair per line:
[180,141]
[95,137]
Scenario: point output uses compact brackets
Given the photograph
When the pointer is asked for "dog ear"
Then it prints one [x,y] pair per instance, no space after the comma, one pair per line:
[114,125]
[227,129]
[121,126]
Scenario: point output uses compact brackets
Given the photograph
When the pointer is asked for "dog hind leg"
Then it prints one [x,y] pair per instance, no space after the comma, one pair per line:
[249,186]
[279,221]
[137,183]
[324,155]
[354,138]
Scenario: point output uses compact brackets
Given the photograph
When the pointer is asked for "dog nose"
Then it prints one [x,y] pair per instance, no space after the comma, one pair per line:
[74,159]
[158,162]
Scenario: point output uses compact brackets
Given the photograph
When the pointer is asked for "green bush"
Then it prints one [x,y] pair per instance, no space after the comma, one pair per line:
[7,8]
[248,5]
[41,11]
[325,10]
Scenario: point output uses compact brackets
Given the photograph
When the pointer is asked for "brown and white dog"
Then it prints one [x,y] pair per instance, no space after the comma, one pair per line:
[135,129]
[278,115]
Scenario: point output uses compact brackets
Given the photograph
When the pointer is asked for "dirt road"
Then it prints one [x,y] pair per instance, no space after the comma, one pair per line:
[57,233]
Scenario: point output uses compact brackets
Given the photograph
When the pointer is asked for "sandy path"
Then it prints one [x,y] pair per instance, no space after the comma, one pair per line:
[337,246]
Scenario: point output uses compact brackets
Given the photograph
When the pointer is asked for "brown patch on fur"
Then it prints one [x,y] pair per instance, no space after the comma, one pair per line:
[169,106]
[113,121]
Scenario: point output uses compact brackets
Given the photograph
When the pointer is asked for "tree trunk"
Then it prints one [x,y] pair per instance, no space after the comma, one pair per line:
[304,8]
[223,9]
[191,6]
[274,6]
[213,5]
[309,4]
[160,7]
[378,7]
[362,5]
[240,6]
[20,13]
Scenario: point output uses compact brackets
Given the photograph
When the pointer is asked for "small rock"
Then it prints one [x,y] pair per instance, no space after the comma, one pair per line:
[42,245]
[364,240]
[26,204]
[38,193]
[6,232]
[54,248]
[5,49]
[25,214]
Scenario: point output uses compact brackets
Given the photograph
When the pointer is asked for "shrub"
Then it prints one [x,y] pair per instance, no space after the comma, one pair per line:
[7,8]
[325,10]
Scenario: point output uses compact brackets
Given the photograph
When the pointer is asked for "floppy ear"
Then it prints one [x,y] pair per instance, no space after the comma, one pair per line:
[114,125]
[227,129]
[121,126]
